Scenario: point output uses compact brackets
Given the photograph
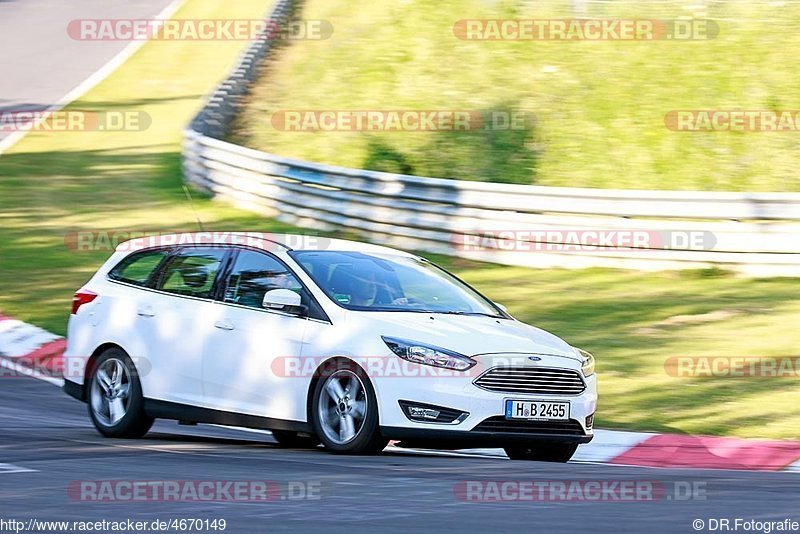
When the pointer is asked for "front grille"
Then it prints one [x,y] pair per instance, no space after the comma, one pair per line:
[499,423]
[534,380]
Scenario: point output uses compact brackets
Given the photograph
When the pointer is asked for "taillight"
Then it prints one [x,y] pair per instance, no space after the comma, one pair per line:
[82,297]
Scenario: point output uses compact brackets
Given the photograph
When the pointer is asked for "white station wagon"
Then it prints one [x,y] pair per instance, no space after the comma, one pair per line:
[320,341]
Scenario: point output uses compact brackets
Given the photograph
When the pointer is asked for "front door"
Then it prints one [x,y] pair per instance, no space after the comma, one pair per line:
[239,370]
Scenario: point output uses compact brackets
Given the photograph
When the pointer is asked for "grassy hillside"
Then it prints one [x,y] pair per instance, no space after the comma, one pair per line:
[600,106]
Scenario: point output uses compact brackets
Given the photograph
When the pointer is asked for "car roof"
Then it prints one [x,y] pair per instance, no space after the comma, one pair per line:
[262,240]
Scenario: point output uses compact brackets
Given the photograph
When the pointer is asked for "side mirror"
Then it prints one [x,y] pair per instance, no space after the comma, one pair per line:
[501,307]
[284,300]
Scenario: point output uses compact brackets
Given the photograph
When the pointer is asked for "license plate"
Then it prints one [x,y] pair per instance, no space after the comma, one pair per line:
[537,410]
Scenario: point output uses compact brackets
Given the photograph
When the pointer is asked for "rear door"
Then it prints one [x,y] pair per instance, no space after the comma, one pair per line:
[176,319]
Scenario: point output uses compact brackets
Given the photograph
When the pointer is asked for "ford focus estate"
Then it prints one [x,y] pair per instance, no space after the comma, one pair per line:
[321,341]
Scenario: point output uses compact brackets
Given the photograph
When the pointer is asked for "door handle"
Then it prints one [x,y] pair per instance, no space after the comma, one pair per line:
[224,325]
[147,311]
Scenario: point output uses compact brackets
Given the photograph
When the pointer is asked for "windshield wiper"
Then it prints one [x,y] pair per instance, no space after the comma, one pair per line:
[469,313]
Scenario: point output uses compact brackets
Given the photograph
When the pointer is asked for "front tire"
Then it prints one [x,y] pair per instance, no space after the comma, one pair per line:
[116,403]
[542,452]
[344,411]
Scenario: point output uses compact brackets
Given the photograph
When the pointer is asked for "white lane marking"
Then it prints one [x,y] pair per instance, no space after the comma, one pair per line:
[794,468]
[462,453]
[11,468]
[167,448]
[20,370]
[608,444]
[99,75]
[243,429]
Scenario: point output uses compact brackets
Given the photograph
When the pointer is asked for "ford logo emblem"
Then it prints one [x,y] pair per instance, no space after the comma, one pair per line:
[534,358]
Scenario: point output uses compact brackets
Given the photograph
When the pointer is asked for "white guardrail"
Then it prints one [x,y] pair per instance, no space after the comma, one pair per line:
[753,233]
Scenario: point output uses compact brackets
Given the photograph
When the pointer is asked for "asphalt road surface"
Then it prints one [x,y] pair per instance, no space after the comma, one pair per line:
[48,446]
[40,63]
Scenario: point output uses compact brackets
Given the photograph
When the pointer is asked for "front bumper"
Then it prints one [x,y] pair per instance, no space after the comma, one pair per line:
[486,423]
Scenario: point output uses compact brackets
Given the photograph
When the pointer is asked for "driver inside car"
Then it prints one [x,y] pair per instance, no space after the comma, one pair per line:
[366,289]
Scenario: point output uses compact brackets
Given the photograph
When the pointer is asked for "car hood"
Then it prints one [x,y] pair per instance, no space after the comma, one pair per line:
[467,334]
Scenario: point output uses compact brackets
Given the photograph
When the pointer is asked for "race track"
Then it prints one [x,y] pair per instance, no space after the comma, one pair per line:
[41,64]
[48,446]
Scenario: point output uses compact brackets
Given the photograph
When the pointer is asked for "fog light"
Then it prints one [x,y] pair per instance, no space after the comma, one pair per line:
[589,421]
[429,413]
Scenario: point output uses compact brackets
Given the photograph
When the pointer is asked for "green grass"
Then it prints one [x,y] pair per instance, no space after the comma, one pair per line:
[600,106]
[54,184]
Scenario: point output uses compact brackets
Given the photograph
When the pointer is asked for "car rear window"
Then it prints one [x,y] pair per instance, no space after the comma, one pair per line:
[138,267]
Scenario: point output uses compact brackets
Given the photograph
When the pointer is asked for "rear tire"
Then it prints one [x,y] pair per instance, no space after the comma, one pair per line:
[116,403]
[542,452]
[344,411]
[293,440]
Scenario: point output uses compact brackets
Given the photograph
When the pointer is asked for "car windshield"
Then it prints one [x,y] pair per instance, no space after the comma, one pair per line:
[386,282]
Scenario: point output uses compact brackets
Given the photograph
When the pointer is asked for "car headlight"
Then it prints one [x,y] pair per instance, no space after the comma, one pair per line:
[428,354]
[587,365]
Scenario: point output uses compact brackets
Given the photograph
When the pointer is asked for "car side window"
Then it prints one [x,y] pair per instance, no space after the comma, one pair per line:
[255,273]
[191,272]
[137,268]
